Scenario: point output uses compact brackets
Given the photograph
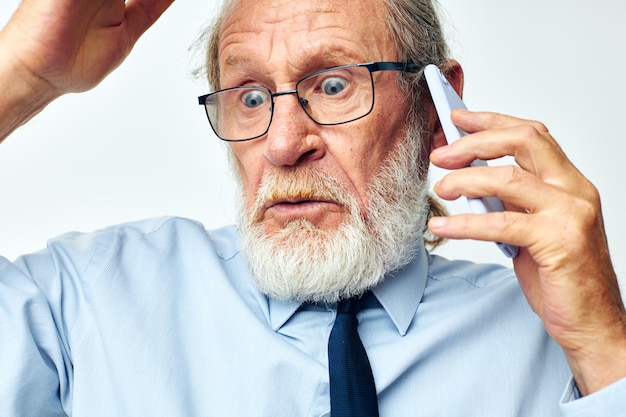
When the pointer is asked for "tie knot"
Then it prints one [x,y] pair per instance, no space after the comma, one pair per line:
[347,306]
[352,305]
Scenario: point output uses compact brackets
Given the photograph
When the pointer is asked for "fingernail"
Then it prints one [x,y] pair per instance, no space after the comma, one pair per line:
[437,222]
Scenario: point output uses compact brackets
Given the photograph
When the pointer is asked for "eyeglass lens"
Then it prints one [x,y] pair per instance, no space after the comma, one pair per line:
[334,96]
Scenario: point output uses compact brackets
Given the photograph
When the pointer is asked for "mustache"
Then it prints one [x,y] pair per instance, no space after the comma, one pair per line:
[298,184]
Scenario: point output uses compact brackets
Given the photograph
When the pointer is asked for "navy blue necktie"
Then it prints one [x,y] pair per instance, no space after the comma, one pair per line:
[352,389]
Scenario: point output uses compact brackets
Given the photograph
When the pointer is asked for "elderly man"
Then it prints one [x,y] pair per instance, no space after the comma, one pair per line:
[330,130]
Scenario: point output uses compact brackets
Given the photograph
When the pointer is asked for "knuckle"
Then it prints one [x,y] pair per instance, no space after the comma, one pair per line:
[539,127]
[531,132]
[593,195]
[587,213]
[511,175]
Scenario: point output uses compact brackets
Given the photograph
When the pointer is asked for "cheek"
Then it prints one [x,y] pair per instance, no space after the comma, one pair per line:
[248,169]
[373,144]
[354,157]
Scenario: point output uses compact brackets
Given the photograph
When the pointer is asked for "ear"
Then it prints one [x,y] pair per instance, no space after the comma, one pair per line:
[454,73]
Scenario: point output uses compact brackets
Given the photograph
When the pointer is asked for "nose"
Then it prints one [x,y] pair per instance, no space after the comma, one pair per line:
[293,138]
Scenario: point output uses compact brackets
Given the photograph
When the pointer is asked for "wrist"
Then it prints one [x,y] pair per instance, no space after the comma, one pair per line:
[22,94]
[599,362]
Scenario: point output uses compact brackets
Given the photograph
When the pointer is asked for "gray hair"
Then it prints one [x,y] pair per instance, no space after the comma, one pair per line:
[416,32]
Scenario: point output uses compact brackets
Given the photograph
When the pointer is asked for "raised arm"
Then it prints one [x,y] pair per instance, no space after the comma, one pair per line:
[53,47]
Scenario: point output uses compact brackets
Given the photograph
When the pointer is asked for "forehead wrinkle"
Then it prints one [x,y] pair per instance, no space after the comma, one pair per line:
[315,56]
[313,24]
[279,28]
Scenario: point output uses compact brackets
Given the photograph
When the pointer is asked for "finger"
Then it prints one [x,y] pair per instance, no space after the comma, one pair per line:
[519,190]
[498,135]
[539,234]
[141,14]
[506,227]
[522,138]
[475,121]
[513,185]
[550,208]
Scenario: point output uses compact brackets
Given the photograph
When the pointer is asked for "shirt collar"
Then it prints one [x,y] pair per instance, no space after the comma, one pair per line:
[399,294]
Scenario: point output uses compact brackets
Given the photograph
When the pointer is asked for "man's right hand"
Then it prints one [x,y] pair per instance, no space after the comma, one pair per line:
[52,47]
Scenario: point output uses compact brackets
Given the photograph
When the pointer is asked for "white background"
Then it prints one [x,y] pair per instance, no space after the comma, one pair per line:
[139,146]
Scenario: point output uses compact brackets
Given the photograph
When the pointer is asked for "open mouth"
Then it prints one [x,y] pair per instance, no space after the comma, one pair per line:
[296,202]
[289,209]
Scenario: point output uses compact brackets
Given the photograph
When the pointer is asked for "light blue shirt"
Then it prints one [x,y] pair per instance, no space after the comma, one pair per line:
[161,318]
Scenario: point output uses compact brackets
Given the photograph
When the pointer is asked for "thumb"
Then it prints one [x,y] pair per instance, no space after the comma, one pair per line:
[141,14]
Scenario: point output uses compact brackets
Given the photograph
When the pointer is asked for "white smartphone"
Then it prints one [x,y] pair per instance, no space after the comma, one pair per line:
[446,100]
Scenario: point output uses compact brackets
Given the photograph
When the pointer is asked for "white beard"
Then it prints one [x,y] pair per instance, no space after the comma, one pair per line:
[302,262]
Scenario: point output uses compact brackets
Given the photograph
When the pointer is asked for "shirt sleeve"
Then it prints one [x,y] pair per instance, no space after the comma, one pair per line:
[43,297]
[34,377]
[608,402]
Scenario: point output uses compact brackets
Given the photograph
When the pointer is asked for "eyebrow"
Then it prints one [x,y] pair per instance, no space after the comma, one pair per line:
[237,61]
[326,57]
[233,65]
[237,67]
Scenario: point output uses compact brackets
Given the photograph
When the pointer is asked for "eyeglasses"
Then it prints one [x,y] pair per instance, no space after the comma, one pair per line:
[329,97]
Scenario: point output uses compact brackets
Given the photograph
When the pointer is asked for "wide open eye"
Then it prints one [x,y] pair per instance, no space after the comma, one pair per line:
[333,85]
[255,98]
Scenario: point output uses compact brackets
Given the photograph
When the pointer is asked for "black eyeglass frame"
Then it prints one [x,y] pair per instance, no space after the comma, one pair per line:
[371,66]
